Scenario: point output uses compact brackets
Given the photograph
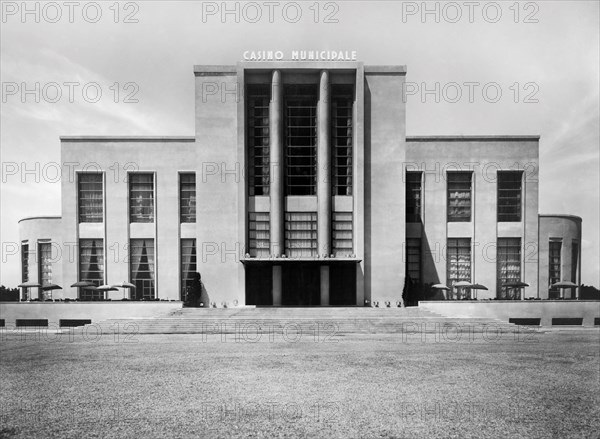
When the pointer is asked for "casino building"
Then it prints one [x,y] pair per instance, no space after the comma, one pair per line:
[300,188]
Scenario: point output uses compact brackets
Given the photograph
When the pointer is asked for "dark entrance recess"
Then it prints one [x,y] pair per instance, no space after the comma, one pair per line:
[342,284]
[301,285]
[259,285]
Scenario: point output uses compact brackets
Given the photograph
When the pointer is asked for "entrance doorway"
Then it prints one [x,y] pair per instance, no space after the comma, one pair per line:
[301,285]
[259,285]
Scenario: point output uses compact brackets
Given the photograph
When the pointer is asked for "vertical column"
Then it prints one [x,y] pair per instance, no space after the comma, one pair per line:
[324,180]
[276,164]
[276,182]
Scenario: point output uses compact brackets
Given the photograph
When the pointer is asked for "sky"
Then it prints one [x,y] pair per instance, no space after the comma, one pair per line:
[126,68]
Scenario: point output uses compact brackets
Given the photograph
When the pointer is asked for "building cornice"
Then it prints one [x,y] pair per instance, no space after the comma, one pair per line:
[474,138]
[127,138]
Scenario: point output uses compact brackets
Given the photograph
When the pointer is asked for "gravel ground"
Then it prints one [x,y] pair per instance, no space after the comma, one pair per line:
[367,386]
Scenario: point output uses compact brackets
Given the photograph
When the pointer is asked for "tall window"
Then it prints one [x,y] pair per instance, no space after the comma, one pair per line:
[342,234]
[574,260]
[458,260]
[554,263]
[257,111]
[90,197]
[141,198]
[25,268]
[413,197]
[91,267]
[509,195]
[300,234]
[187,197]
[141,268]
[459,196]
[301,139]
[188,265]
[259,236]
[508,264]
[413,259]
[341,118]
[44,264]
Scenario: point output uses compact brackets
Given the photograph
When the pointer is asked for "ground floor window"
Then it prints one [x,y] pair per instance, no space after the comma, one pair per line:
[44,267]
[413,259]
[25,268]
[554,262]
[141,266]
[91,267]
[458,260]
[508,267]
[188,265]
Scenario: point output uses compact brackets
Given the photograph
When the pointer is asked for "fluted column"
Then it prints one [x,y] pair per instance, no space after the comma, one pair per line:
[276,181]
[324,180]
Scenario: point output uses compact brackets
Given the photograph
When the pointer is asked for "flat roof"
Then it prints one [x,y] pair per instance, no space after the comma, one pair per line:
[127,138]
[40,217]
[560,215]
[474,138]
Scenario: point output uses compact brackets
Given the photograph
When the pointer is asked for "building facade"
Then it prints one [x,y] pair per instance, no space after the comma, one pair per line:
[299,188]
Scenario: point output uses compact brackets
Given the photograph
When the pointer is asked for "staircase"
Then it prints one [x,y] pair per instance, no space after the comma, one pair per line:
[317,322]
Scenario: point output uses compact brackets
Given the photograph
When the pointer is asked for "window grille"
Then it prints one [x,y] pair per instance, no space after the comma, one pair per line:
[300,234]
[459,196]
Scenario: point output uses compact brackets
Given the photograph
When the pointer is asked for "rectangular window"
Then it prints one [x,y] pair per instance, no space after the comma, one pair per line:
[459,196]
[554,263]
[413,260]
[342,234]
[342,135]
[141,198]
[91,267]
[301,139]
[187,197]
[508,265]
[509,196]
[188,265]
[141,268]
[300,234]
[574,261]
[25,268]
[258,97]
[413,197]
[458,260]
[90,197]
[259,234]
[45,265]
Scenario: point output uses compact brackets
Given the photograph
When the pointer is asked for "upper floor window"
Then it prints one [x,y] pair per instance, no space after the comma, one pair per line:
[90,196]
[413,197]
[187,198]
[300,234]
[459,196]
[342,242]
[509,195]
[141,198]
[258,137]
[342,135]
[301,139]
